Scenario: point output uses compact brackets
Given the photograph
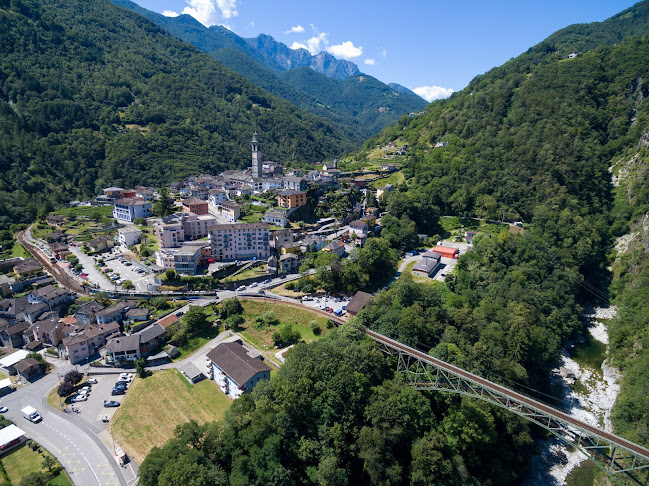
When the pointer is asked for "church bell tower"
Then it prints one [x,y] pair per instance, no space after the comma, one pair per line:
[257,163]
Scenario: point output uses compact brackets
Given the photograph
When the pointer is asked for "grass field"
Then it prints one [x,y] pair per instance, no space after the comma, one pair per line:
[23,461]
[300,318]
[395,178]
[248,273]
[139,424]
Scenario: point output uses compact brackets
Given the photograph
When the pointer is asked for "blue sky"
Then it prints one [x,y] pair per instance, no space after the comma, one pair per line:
[430,46]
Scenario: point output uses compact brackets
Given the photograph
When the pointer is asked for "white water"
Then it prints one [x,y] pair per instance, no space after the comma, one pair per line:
[593,406]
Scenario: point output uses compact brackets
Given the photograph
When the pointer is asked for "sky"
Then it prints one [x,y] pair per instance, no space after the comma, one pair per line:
[430,46]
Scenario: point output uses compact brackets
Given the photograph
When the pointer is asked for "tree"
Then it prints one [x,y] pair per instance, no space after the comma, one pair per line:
[49,462]
[140,367]
[127,284]
[170,275]
[78,267]
[35,479]
[65,389]
[73,376]
[196,320]
[231,307]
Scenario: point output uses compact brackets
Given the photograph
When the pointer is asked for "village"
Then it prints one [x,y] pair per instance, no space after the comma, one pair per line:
[209,288]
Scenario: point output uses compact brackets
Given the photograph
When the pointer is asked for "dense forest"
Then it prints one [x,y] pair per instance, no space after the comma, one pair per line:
[360,104]
[93,95]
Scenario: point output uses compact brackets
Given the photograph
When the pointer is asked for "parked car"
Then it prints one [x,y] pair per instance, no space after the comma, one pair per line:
[111,403]
[126,377]
[92,381]
[80,398]
[239,289]
[118,391]
[85,390]
[121,384]
[4,409]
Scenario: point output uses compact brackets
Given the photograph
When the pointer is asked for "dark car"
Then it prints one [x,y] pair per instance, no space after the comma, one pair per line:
[123,383]
[118,391]
[111,403]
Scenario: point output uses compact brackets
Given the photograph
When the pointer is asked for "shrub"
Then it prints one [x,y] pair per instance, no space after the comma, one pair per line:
[52,352]
[290,286]
[330,324]
[315,327]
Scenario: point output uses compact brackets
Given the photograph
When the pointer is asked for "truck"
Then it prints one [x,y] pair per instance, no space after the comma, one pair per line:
[31,414]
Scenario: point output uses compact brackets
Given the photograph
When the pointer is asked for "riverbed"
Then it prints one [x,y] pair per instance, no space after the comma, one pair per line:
[589,389]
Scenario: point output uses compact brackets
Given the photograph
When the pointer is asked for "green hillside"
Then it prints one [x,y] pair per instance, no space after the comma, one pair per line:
[360,109]
[93,95]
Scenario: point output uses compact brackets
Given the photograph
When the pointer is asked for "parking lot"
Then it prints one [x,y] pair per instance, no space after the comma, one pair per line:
[93,410]
[127,271]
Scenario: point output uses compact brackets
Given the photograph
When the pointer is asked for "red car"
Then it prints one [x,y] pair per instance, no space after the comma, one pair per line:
[84,275]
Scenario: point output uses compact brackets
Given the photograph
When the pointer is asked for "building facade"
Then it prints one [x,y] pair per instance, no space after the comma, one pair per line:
[129,209]
[240,241]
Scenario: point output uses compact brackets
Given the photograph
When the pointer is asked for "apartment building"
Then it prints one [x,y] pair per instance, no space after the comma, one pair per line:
[175,229]
[129,209]
[240,241]
[291,199]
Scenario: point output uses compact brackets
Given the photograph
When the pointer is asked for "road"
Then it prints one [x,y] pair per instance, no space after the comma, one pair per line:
[82,454]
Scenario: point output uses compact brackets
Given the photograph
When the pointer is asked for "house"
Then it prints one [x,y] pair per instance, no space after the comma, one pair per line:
[100,243]
[49,331]
[357,303]
[138,314]
[8,362]
[12,336]
[164,258]
[28,268]
[113,193]
[85,314]
[272,265]
[214,199]
[33,311]
[428,265]
[146,193]
[76,348]
[312,243]
[380,191]
[230,210]
[447,252]
[151,338]
[168,321]
[115,312]
[59,250]
[240,241]
[291,199]
[53,237]
[129,235]
[129,209]
[194,205]
[295,183]
[190,371]
[54,220]
[280,238]
[234,371]
[53,296]
[276,218]
[389,168]
[337,247]
[359,228]
[28,369]
[289,263]
[123,348]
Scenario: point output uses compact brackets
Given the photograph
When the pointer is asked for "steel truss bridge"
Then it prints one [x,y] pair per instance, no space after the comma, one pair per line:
[625,462]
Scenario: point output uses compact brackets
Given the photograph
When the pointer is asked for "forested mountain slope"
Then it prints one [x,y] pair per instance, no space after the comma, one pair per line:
[529,139]
[361,105]
[93,95]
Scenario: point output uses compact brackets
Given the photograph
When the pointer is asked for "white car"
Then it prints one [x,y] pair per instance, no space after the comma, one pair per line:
[126,377]
[84,391]
[92,381]
[80,398]
[4,409]
[239,289]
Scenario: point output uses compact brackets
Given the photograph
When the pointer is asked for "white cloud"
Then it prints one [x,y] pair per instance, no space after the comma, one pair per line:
[297,45]
[430,93]
[370,62]
[346,50]
[295,30]
[208,12]
[384,53]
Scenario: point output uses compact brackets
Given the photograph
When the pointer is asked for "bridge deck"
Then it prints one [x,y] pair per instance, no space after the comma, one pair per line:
[556,414]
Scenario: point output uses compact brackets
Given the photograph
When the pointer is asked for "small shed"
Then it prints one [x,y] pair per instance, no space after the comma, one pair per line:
[10,436]
[192,372]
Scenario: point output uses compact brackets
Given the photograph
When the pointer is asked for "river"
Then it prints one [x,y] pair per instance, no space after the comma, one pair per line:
[589,389]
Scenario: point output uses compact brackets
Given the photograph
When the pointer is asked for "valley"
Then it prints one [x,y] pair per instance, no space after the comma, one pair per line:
[297,274]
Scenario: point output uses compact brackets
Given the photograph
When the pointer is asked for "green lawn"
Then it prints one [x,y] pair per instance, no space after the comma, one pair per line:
[19,250]
[248,273]
[395,178]
[139,424]
[197,342]
[20,462]
[300,318]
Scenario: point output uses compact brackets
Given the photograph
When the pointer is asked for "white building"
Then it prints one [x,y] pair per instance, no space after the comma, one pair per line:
[129,236]
[214,199]
[240,241]
[277,218]
[234,371]
[129,209]
[173,230]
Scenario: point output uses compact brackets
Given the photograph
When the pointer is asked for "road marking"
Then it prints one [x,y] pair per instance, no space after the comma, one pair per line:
[110,473]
